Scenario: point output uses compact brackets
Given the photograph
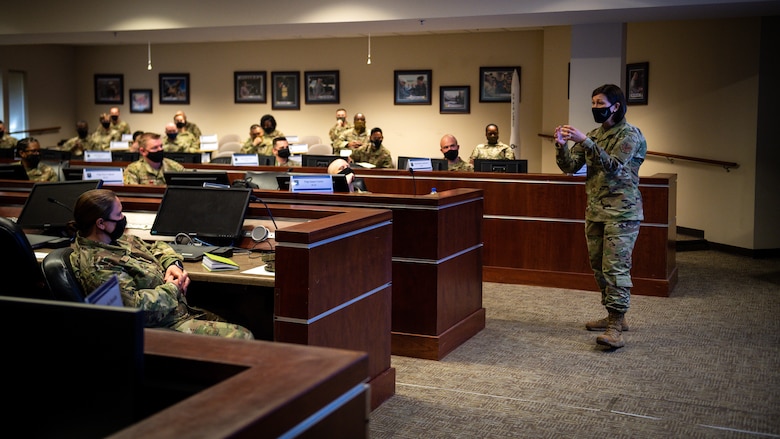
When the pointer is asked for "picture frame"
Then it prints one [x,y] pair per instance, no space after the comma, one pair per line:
[455,99]
[141,100]
[322,87]
[249,88]
[109,89]
[286,90]
[412,87]
[175,88]
[495,83]
[637,76]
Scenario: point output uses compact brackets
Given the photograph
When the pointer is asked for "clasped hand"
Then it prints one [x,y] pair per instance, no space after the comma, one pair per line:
[564,133]
[178,277]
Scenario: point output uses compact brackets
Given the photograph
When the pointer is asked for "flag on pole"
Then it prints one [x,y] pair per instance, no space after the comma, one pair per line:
[514,138]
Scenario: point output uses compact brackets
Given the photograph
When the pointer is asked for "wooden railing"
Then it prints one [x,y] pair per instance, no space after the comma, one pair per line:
[671,157]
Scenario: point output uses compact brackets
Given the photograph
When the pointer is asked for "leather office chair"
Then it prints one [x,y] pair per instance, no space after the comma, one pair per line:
[58,274]
[18,264]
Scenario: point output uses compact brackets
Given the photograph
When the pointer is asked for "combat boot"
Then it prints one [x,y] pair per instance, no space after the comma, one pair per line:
[613,336]
[601,325]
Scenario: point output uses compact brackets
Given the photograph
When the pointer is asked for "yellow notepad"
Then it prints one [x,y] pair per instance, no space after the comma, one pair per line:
[218,263]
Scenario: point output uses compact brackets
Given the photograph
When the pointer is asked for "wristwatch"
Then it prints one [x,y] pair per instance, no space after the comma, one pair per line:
[178,264]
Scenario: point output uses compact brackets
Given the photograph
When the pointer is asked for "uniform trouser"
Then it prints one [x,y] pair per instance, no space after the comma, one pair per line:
[610,245]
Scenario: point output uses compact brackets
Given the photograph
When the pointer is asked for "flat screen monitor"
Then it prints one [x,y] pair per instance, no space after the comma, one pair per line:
[265,180]
[340,183]
[195,178]
[266,160]
[317,161]
[55,155]
[72,174]
[125,156]
[50,205]
[13,172]
[436,164]
[508,166]
[213,215]
[7,153]
[184,157]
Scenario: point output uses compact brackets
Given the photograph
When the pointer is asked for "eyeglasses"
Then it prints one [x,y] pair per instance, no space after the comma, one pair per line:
[32,151]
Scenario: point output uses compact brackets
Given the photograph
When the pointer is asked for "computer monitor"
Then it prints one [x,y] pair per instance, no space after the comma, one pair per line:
[436,164]
[49,206]
[13,172]
[72,174]
[340,183]
[125,156]
[57,155]
[195,178]
[508,166]
[214,215]
[265,180]
[317,161]
[7,153]
[266,160]
[184,157]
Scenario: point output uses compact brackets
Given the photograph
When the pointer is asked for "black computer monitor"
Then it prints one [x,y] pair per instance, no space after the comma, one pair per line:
[195,178]
[125,156]
[7,153]
[49,206]
[214,215]
[265,180]
[508,166]
[340,183]
[55,155]
[72,174]
[436,164]
[184,157]
[13,172]
[317,161]
[266,160]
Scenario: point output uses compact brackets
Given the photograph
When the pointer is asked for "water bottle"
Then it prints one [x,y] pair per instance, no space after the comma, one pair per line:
[433,191]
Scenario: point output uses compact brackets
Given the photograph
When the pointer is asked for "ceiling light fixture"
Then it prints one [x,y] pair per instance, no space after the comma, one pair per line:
[369,49]
[149,57]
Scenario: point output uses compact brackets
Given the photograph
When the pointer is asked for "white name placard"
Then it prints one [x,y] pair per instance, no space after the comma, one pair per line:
[108,175]
[97,156]
[320,183]
[245,160]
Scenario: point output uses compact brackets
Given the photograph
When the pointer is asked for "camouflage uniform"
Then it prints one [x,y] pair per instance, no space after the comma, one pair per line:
[140,269]
[348,136]
[460,166]
[141,172]
[101,138]
[193,129]
[267,147]
[499,151]
[43,172]
[381,157]
[8,142]
[289,164]
[614,206]
[336,131]
[185,142]
[249,148]
[121,127]
[77,145]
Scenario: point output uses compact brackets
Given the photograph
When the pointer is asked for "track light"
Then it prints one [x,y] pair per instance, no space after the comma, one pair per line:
[369,49]
[149,57]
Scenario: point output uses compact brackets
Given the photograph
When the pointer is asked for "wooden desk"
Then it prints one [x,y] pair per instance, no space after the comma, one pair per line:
[316,300]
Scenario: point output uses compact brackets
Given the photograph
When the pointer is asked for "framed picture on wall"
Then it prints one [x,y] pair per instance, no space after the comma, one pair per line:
[286,90]
[322,87]
[174,88]
[636,83]
[109,89]
[249,87]
[455,99]
[496,83]
[412,87]
[140,100]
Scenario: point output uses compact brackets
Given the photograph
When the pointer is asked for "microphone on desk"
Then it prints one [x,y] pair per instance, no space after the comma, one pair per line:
[414,182]
[59,203]
[260,233]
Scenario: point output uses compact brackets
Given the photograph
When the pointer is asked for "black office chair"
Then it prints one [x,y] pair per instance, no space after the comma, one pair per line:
[18,264]
[58,274]
[225,160]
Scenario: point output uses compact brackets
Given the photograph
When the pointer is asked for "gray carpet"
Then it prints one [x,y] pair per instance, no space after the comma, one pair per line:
[703,363]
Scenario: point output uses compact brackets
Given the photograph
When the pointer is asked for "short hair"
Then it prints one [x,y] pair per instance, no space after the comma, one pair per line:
[145,137]
[254,125]
[490,125]
[376,130]
[22,145]
[614,95]
[279,139]
[137,134]
[340,109]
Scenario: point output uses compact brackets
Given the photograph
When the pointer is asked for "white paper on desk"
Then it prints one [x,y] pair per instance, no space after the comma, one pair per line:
[106,294]
[259,271]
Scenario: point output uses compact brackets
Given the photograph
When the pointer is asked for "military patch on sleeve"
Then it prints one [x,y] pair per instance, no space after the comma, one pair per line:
[625,147]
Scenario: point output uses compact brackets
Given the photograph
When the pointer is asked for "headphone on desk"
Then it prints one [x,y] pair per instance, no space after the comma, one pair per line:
[260,234]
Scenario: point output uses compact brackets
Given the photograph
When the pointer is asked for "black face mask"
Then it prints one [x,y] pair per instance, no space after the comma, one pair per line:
[181,124]
[33,160]
[119,228]
[105,124]
[451,154]
[171,136]
[346,171]
[284,153]
[600,115]
[156,156]
[82,133]
[377,143]
[115,118]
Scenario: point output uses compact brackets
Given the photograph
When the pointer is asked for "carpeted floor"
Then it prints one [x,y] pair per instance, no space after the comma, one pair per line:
[703,363]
